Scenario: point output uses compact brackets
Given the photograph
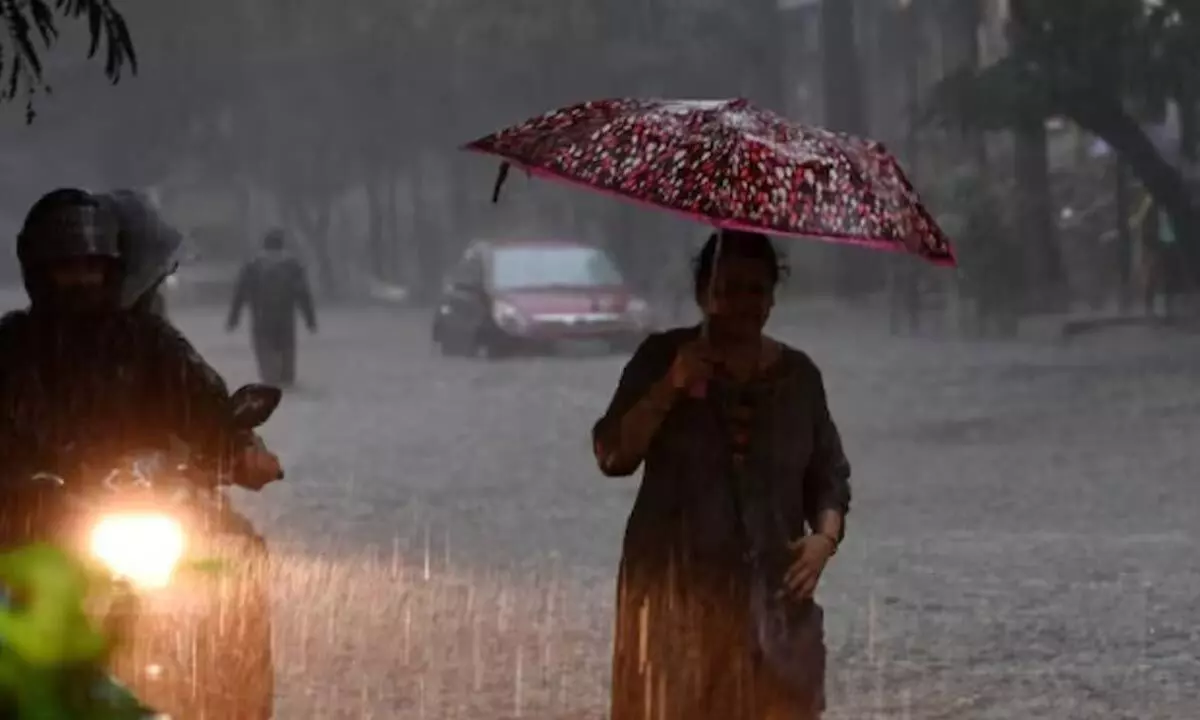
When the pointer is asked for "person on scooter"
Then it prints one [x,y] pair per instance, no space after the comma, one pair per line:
[77,367]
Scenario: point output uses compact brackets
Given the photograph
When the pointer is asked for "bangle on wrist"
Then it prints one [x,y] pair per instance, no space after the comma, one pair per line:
[833,542]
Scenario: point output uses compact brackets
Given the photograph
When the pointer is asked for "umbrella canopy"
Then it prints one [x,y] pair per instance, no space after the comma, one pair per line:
[729,164]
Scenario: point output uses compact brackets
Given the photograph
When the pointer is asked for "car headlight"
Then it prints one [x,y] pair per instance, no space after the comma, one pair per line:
[507,316]
[144,548]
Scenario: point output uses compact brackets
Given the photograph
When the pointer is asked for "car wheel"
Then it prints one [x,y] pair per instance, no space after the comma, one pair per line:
[482,347]
[486,346]
[438,338]
[447,346]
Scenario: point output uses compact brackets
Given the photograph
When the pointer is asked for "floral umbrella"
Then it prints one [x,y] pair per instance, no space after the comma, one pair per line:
[731,165]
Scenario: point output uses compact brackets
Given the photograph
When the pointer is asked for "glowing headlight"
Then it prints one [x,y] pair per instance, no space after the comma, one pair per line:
[507,316]
[144,549]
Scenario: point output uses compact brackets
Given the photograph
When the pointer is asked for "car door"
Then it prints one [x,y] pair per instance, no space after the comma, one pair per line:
[465,305]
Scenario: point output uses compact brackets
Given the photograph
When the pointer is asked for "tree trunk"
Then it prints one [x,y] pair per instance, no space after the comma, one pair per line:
[905,287]
[841,69]
[961,21]
[426,241]
[407,252]
[1105,119]
[761,50]
[391,229]
[1036,216]
[313,219]
[856,272]
[377,238]
[326,270]
[1189,126]
[1124,249]
[465,195]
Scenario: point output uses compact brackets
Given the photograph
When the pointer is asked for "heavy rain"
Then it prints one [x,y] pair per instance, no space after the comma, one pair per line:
[1021,540]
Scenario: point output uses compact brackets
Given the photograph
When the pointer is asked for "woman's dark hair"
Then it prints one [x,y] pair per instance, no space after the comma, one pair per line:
[735,244]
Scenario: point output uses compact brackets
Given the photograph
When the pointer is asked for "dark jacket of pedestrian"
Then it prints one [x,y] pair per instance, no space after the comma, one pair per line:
[275,286]
[742,502]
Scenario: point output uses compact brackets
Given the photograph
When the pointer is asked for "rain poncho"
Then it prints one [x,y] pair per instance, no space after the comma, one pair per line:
[275,286]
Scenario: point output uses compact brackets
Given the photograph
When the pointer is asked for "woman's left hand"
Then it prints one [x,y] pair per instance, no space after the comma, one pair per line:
[812,553]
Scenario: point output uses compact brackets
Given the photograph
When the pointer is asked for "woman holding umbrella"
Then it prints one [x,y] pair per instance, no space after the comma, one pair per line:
[745,488]
[744,496]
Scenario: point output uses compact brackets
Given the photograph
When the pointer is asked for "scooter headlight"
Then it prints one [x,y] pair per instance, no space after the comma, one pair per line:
[144,549]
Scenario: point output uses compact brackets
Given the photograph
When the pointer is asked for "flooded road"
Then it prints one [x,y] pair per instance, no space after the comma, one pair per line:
[1022,541]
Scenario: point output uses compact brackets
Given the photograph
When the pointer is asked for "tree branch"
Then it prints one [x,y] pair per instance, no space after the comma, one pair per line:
[29,23]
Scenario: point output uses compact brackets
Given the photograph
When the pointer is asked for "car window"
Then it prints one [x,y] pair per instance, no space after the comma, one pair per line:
[539,267]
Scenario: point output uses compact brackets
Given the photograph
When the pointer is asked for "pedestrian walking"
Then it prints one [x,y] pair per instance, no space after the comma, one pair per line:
[275,286]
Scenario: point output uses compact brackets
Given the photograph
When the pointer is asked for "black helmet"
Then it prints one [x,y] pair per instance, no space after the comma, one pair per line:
[67,224]
[150,247]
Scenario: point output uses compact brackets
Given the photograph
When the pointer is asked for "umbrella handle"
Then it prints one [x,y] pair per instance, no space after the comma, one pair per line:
[500,178]
[700,390]
[712,278]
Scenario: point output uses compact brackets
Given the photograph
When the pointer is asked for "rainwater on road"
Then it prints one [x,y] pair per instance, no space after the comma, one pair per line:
[1022,542]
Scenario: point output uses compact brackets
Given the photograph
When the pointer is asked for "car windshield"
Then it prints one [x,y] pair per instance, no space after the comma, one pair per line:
[540,267]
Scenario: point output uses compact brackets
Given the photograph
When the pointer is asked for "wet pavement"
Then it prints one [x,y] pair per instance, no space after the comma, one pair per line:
[1022,543]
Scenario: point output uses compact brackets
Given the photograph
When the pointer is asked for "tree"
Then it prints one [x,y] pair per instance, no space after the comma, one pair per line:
[845,111]
[29,22]
[1103,64]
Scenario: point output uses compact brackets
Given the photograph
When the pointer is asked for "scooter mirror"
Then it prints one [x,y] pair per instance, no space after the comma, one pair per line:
[253,404]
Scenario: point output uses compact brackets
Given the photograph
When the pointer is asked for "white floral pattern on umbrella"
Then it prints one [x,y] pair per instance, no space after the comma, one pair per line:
[732,165]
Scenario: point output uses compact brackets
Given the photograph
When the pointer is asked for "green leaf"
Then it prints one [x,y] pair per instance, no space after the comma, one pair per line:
[50,626]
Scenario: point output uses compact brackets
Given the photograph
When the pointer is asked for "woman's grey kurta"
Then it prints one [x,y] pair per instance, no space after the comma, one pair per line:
[683,646]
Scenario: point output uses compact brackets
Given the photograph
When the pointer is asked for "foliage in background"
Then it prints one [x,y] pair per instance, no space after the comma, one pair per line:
[304,109]
[1107,65]
[32,26]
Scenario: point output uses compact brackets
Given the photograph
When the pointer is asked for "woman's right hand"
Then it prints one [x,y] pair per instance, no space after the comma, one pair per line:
[692,367]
